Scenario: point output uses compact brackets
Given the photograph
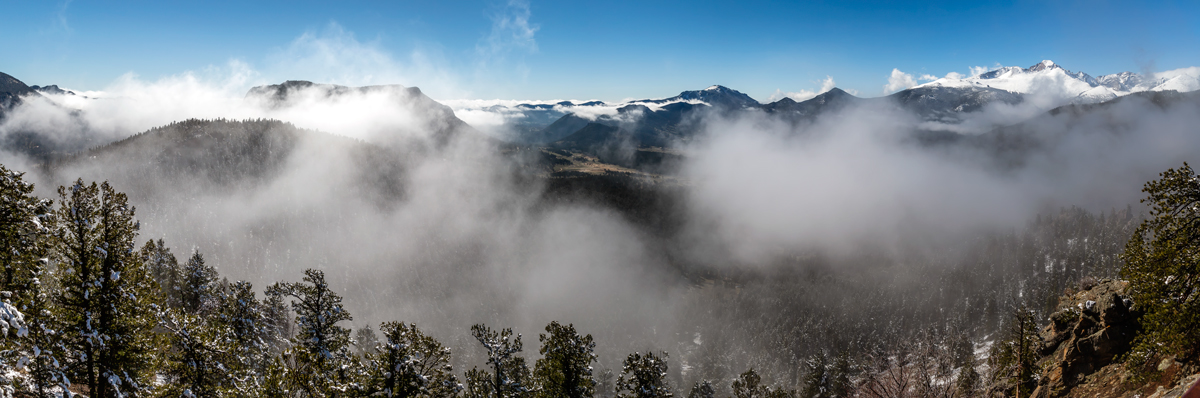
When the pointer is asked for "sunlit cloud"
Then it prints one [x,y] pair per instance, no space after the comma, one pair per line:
[899,81]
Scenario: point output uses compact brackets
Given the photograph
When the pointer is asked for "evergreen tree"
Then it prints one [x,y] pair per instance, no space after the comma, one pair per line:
[967,383]
[255,333]
[840,385]
[365,341]
[1013,359]
[276,380]
[749,385]
[565,370]
[164,268]
[509,376]
[702,389]
[644,376]
[278,322]
[12,327]
[816,382]
[253,337]
[197,361]
[606,384]
[780,393]
[41,351]
[321,348]
[1162,264]
[24,226]
[199,286]
[410,364]
[107,297]
[28,319]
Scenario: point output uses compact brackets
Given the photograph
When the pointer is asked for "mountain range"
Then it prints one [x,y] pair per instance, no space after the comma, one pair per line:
[944,100]
[1049,78]
[612,131]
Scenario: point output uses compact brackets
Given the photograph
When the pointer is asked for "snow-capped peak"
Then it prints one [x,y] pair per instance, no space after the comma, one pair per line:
[713,88]
[1044,65]
[1050,80]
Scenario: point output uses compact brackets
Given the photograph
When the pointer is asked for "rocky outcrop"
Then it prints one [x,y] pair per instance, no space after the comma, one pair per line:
[1090,329]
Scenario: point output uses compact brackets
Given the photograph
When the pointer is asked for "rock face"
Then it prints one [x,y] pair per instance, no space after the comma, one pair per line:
[1090,328]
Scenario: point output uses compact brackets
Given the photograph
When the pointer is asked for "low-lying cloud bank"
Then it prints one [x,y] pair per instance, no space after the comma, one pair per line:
[763,189]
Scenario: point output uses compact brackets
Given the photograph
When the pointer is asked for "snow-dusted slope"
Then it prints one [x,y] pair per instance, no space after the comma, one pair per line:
[1057,84]
[1181,83]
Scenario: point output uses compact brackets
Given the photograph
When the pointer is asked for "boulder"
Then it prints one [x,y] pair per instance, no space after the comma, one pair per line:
[1090,329]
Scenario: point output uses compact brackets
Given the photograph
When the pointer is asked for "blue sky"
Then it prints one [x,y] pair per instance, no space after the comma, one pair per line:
[582,50]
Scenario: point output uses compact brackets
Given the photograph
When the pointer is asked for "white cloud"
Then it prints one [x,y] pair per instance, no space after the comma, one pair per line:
[928,77]
[1193,71]
[979,70]
[751,175]
[899,81]
[499,55]
[511,30]
[62,16]
[826,85]
[337,56]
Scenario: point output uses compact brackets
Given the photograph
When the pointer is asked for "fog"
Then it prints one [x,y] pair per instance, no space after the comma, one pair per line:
[472,238]
[764,188]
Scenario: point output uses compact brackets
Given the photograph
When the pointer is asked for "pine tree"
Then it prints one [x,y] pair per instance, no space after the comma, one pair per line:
[365,341]
[199,286]
[33,341]
[840,385]
[606,384]
[816,382]
[24,226]
[42,350]
[253,337]
[107,297]
[748,385]
[321,347]
[644,376]
[702,389]
[197,361]
[165,270]
[565,370]
[12,328]
[410,364]
[278,323]
[1013,360]
[277,380]
[967,383]
[1162,264]
[509,376]
[255,333]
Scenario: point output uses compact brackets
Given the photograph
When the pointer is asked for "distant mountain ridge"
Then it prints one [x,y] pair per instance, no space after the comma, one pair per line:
[1047,77]
[665,122]
[430,117]
[716,95]
[945,100]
